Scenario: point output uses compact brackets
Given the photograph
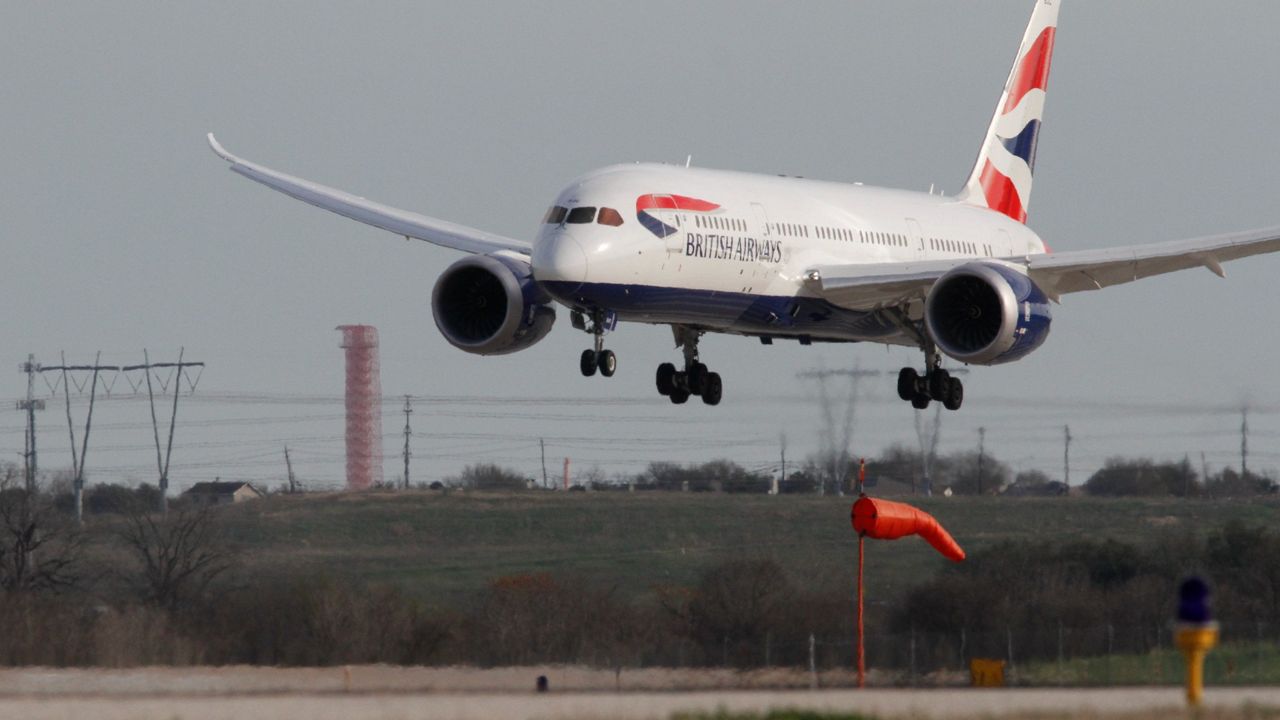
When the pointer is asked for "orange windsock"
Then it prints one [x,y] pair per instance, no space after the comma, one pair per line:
[887,520]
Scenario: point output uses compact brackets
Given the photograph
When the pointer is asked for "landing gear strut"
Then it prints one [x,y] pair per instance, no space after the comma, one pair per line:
[695,379]
[596,357]
[935,384]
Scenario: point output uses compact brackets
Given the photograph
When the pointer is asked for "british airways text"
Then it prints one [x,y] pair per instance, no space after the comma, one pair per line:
[724,247]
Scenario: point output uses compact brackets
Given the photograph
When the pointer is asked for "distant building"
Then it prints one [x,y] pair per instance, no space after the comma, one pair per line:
[206,494]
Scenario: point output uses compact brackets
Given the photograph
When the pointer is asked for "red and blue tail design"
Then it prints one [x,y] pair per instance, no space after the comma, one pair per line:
[645,203]
[1001,179]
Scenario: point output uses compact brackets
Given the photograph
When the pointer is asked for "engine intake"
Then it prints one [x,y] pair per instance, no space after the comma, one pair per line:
[986,314]
[490,305]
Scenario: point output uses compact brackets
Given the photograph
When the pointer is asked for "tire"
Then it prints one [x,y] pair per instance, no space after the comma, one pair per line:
[907,379]
[939,384]
[697,378]
[955,395]
[608,363]
[920,402]
[666,379]
[679,397]
[587,363]
[712,389]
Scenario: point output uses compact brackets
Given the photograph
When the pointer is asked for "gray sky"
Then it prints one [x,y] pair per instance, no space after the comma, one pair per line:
[123,231]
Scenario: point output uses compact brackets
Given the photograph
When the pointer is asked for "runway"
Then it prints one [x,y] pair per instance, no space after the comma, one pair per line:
[881,703]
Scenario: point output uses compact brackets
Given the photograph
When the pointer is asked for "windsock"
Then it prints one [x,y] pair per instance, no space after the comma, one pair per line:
[887,520]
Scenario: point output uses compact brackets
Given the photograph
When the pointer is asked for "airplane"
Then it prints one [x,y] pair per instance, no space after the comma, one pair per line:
[785,258]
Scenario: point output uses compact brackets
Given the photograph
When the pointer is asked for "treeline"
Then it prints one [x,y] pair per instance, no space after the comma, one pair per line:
[1075,598]
[902,470]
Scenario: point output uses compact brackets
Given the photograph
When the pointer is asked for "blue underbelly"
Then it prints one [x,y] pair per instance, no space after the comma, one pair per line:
[725,311]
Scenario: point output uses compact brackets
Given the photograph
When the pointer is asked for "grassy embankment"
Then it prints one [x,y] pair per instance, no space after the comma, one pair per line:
[446,546]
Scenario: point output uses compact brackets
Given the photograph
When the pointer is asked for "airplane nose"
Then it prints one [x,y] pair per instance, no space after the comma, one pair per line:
[560,258]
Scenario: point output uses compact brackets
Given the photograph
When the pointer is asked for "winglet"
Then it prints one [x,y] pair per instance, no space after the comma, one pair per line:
[221,151]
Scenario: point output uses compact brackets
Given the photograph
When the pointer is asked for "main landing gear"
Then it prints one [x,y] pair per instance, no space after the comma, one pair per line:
[935,384]
[695,379]
[596,357]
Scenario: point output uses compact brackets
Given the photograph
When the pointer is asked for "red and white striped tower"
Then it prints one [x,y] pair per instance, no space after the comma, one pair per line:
[364,406]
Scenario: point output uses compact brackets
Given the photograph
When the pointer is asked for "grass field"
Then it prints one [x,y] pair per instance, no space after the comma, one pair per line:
[446,546]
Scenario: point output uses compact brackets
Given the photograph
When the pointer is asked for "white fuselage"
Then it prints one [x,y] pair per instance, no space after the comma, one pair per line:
[728,251]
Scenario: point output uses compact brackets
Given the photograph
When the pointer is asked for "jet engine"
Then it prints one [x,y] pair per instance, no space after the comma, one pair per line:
[490,305]
[984,313]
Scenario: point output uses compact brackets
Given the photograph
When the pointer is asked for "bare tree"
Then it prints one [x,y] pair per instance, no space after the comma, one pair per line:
[40,549]
[180,555]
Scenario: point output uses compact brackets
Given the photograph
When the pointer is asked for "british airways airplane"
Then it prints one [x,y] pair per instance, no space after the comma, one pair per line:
[782,258]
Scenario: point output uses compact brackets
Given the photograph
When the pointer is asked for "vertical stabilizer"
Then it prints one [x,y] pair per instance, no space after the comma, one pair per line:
[1001,178]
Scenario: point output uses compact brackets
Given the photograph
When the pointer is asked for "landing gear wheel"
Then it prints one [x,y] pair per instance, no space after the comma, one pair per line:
[698,378]
[920,402]
[666,379]
[955,395]
[712,389]
[908,378]
[588,363]
[939,384]
[679,397]
[608,363]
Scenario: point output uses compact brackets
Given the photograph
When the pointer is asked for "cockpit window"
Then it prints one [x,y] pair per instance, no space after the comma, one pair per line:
[580,215]
[555,215]
[609,216]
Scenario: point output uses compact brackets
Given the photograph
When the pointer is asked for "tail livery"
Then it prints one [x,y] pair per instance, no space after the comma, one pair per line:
[1001,178]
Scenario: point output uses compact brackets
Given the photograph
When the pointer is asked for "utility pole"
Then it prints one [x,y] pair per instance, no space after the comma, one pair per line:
[542,445]
[162,463]
[782,474]
[1244,442]
[288,464]
[1066,457]
[982,442]
[408,410]
[30,405]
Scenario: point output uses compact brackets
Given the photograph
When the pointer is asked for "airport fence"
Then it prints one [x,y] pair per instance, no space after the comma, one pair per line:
[1055,654]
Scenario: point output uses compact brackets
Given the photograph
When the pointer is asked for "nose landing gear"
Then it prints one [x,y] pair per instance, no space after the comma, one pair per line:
[695,379]
[595,358]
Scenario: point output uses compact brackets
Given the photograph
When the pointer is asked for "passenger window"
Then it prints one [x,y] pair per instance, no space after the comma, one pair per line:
[609,216]
[580,215]
[555,215]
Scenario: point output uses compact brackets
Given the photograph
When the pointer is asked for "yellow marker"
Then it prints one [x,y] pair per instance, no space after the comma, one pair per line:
[1195,641]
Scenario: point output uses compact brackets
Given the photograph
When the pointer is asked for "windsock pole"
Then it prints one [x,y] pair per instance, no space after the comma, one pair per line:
[862,650]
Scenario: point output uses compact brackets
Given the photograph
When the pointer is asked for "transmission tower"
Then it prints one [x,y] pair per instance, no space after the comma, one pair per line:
[408,432]
[836,438]
[1244,441]
[77,462]
[1066,457]
[982,455]
[148,367]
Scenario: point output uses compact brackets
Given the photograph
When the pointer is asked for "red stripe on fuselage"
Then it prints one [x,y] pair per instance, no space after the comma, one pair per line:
[1001,194]
[673,202]
[1033,71]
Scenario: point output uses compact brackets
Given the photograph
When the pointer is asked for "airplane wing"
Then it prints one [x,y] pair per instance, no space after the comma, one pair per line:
[400,222]
[866,287]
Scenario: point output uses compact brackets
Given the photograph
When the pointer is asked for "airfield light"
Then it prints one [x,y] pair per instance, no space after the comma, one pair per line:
[1195,633]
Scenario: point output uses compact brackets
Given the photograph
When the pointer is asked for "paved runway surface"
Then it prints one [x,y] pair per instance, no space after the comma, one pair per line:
[882,703]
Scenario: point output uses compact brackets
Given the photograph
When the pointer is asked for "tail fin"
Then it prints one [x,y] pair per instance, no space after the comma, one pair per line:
[1001,178]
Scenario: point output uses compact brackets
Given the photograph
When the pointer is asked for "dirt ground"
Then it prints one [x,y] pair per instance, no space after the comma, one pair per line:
[236,693]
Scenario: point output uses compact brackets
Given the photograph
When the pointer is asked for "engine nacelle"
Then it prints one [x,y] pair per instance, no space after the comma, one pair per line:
[984,313]
[490,305]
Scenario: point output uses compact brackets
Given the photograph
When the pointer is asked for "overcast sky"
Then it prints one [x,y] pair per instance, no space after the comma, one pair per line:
[122,231]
